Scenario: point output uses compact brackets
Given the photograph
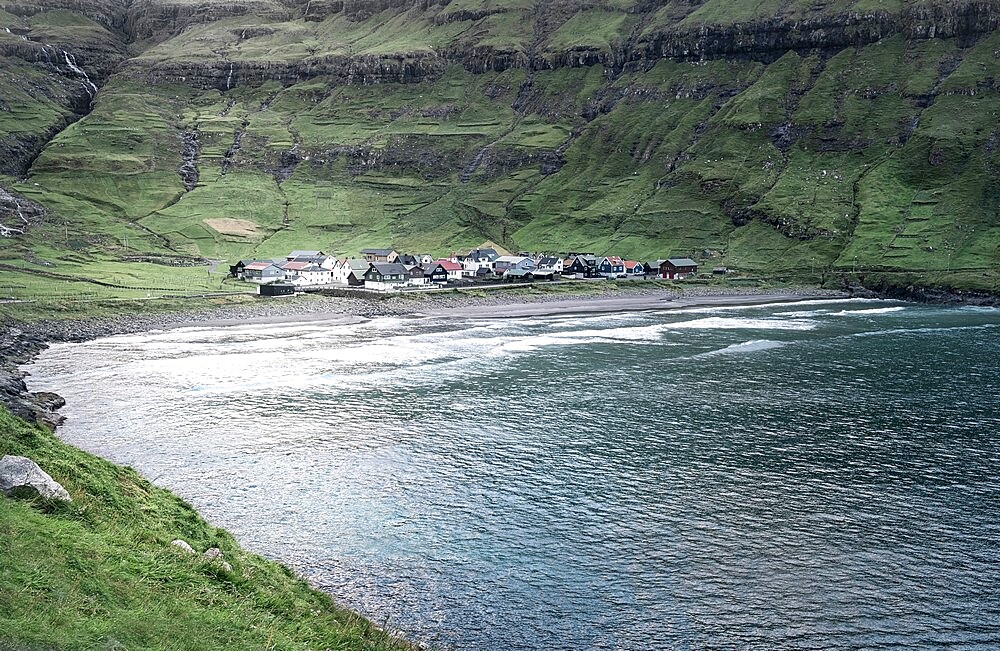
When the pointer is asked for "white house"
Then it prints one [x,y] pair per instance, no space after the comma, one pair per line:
[455,270]
[306,273]
[478,259]
[550,263]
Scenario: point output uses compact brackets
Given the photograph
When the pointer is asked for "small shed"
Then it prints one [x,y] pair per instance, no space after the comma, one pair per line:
[277,289]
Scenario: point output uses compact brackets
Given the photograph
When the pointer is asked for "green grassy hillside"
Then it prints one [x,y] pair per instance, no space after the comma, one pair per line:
[774,138]
[100,573]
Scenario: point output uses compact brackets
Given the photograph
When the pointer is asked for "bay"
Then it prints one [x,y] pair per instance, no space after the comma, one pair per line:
[821,474]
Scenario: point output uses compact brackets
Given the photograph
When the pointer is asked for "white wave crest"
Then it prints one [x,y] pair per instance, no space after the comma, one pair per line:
[735,323]
[751,346]
[877,310]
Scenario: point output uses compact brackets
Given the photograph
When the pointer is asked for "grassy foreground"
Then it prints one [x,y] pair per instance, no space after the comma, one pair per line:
[99,573]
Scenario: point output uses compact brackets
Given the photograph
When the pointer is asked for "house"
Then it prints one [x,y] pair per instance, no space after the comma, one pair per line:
[325,261]
[379,255]
[611,267]
[355,274]
[581,267]
[634,269]
[435,273]
[543,274]
[652,268]
[453,269]
[478,259]
[386,276]
[237,270]
[306,273]
[264,271]
[276,289]
[550,263]
[518,275]
[415,275]
[678,268]
[304,254]
[506,262]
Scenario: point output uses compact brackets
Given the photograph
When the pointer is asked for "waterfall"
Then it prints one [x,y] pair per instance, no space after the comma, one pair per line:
[11,231]
[229,79]
[80,72]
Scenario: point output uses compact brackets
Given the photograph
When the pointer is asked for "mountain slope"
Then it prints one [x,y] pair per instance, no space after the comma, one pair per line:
[773,137]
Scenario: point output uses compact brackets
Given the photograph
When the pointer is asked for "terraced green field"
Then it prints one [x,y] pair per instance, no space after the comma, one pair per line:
[543,126]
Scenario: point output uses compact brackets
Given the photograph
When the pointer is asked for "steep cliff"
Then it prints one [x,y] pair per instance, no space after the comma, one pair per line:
[777,137]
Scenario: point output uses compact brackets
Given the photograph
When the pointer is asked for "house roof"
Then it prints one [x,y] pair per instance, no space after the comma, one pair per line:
[295,266]
[448,265]
[477,254]
[377,251]
[407,259]
[548,260]
[260,264]
[512,259]
[632,264]
[431,267]
[358,265]
[517,272]
[682,262]
[614,259]
[389,268]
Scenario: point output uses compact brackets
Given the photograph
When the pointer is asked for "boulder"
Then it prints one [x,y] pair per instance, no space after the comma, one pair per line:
[215,555]
[182,545]
[21,477]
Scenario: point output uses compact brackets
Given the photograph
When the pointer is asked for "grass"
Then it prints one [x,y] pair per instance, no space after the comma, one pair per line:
[674,158]
[100,573]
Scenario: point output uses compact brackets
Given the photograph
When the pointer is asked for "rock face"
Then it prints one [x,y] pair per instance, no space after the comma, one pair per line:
[21,477]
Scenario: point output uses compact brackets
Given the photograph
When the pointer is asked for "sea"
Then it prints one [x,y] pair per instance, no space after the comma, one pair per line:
[813,475]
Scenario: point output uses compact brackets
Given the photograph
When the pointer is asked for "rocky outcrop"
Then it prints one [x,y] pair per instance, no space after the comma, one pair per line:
[222,75]
[110,13]
[21,477]
[156,20]
[758,39]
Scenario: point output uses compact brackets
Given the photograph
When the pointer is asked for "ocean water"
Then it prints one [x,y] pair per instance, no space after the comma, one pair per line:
[796,476]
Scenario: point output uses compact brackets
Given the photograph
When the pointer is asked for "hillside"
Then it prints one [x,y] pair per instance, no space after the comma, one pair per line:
[791,137]
[101,572]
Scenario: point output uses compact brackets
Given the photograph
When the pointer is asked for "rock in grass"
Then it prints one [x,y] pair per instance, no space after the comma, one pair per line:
[182,545]
[21,477]
[215,555]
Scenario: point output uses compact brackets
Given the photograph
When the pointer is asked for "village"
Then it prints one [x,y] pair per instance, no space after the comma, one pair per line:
[388,270]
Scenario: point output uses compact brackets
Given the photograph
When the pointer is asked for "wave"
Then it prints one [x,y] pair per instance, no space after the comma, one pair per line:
[877,310]
[737,323]
[752,346]
[897,331]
